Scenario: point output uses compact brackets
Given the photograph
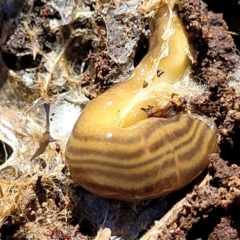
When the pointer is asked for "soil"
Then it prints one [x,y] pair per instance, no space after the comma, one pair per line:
[41,200]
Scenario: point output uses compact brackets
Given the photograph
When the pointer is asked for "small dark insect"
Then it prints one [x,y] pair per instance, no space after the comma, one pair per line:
[145,84]
[159,72]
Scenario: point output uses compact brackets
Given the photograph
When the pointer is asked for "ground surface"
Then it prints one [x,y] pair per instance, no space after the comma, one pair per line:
[55,48]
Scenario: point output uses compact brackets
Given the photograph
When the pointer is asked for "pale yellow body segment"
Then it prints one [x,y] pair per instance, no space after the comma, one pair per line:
[115,151]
